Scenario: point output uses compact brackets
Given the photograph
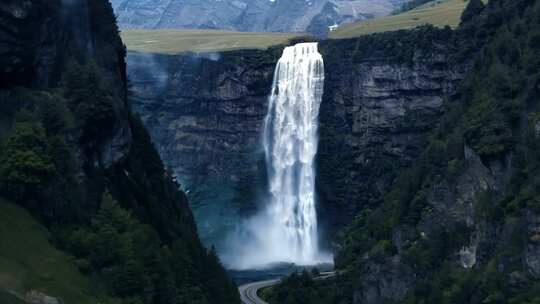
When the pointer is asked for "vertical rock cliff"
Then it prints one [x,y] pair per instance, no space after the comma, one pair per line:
[382,96]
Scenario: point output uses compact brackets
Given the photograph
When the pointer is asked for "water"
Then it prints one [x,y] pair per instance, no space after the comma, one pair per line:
[290,144]
[286,231]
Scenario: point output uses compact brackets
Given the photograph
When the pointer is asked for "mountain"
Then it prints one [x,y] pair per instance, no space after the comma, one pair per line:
[461,223]
[208,132]
[428,159]
[439,13]
[89,213]
[314,16]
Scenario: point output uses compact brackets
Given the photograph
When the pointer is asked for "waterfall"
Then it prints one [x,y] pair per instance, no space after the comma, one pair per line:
[286,231]
[290,144]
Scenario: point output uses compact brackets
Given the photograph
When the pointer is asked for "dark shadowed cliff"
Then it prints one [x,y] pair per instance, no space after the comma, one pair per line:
[205,113]
[428,153]
[83,165]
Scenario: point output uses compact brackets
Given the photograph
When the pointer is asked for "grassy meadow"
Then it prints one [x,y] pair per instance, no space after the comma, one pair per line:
[438,13]
[180,41]
[28,261]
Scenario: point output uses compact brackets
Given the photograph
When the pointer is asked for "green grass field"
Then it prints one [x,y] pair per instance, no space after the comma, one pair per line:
[180,41]
[29,262]
[7,298]
[438,13]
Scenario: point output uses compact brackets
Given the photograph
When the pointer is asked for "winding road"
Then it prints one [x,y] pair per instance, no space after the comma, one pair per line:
[249,292]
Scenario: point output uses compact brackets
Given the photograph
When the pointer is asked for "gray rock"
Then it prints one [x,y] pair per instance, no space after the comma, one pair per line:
[247,15]
[383,281]
[206,112]
[532,252]
[375,115]
[37,297]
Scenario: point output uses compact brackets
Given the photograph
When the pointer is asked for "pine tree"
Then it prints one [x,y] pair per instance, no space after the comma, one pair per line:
[473,8]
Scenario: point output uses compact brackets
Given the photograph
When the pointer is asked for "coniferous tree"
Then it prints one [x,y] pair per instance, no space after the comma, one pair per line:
[473,8]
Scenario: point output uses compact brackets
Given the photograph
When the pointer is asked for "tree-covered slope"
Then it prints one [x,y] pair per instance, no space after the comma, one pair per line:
[461,224]
[74,156]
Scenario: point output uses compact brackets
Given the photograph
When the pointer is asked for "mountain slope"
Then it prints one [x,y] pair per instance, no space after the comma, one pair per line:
[462,224]
[74,156]
[439,13]
[246,15]
[29,262]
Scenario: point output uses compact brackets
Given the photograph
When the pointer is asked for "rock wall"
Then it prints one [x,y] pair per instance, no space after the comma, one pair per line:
[383,94]
[205,114]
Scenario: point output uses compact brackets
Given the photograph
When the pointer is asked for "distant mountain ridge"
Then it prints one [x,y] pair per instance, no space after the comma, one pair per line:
[315,16]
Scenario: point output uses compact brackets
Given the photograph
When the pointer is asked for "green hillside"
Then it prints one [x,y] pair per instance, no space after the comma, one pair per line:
[179,41]
[439,13]
[29,262]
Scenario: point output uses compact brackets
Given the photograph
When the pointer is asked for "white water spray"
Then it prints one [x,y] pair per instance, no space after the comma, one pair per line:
[287,230]
[290,143]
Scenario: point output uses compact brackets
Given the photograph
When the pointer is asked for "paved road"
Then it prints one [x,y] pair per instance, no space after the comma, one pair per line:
[248,292]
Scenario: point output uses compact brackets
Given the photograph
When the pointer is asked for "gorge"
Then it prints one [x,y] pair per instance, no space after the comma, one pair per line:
[409,158]
[209,132]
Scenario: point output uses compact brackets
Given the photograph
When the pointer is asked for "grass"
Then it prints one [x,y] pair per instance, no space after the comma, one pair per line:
[7,298]
[180,41]
[439,13]
[29,262]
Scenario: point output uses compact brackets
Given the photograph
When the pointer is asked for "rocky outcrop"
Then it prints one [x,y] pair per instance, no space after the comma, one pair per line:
[37,297]
[28,42]
[205,114]
[383,280]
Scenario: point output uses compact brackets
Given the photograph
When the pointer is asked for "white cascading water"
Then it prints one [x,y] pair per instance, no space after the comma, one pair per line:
[286,231]
[290,143]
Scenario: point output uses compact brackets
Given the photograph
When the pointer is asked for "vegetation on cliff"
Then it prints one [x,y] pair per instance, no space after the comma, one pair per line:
[460,225]
[75,157]
[490,118]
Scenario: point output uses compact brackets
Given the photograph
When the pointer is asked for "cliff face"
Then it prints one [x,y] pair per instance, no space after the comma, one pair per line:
[383,94]
[197,107]
[206,113]
[459,225]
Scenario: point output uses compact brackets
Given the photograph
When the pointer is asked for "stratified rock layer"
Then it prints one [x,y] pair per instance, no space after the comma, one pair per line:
[206,115]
